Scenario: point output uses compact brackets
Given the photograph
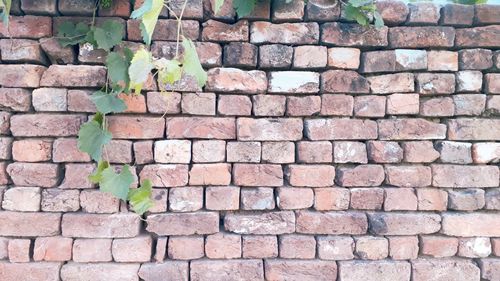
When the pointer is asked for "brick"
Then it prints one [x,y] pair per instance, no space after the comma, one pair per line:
[310,57]
[198,103]
[243,152]
[423,13]
[285,33]
[242,55]
[163,103]
[432,199]
[442,61]
[39,271]
[378,270]
[25,75]
[492,199]
[118,151]
[392,83]
[205,270]
[5,148]
[303,106]
[438,246]
[487,14]
[437,107]
[100,225]
[378,61]
[50,99]
[275,56]
[337,129]
[292,198]
[403,247]
[56,200]
[454,152]
[293,11]
[400,199]
[34,174]
[66,150]
[257,175]
[495,246]
[392,13]
[92,250]
[439,270]
[88,54]
[183,223]
[314,152]
[403,223]
[367,198]
[484,36]
[75,176]
[4,122]
[21,51]
[210,174]
[94,271]
[4,251]
[73,76]
[19,250]
[488,152]
[310,175]
[402,104]
[352,35]
[362,175]
[197,127]
[166,30]
[205,151]
[421,36]
[492,85]
[29,224]
[489,269]
[256,246]
[38,125]
[344,81]
[96,201]
[223,246]
[46,7]
[369,106]
[269,105]
[222,32]
[79,101]
[472,129]
[31,27]
[466,200]
[160,197]
[23,199]
[297,247]
[477,247]
[335,247]
[293,81]
[261,198]
[337,104]
[52,249]
[185,199]
[343,58]
[469,81]
[67,7]
[165,175]
[137,127]
[317,10]
[172,151]
[410,129]
[327,199]
[222,198]
[119,8]
[435,83]
[408,176]
[372,248]
[309,222]
[176,270]
[469,104]
[4,178]
[278,152]
[419,152]
[137,249]
[475,59]
[453,176]
[470,224]
[349,152]
[32,150]
[271,223]
[384,152]
[237,105]
[56,53]
[280,270]
[457,15]
[269,129]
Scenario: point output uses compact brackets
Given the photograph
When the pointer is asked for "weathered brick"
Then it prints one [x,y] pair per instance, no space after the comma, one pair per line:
[294,11]
[23,199]
[470,224]
[137,249]
[403,247]
[442,61]
[400,199]
[454,152]
[269,105]
[423,13]
[275,56]
[52,249]
[100,225]
[210,174]
[243,152]
[38,271]
[421,37]
[404,223]
[166,30]
[419,152]
[21,75]
[489,268]
[57,200]
[285,33]
[75,176]
[435,83]
[243,55]
[344,58]
[223,246]
[309,222]
[362,175]
[21,51]
[29,224]
[367,198]
[369,106]
[293,82]
[184,223]
[314,152]
[163,103]
[291,198]
[473,129]
[393,12]
[238,105]
[66,150]
[257,246]
[477,247]
[475,59]
[137,127]
[197,127]
[206,270]
[469,81]
[492,85]
[431,199]
[172,151]
[106,271]
[453,176]
[372,248]
[35,125]
[278,222]
[165,175]
[457,15]
[349,152]
[317,10]
[278,152]
[410,129]
[261,198]
[469,104]
[488,152]
[303,106]
[384,151]
[437,107]
[174,270]
[327,199]
[198,103]
[236,81]
[269,129]
[96,201]
[440,269]
[340,129]
[19,250]
[467,200]
[56,53]
[438,246]
[222,197]
[74,76]
[353,35]
[392,83]
[34,174]
[378,270]
[344,81]
[92,250]
[32,150]
[257,175]
[483,36]
[295,270]
[32,27]
[222,32]
[311,175]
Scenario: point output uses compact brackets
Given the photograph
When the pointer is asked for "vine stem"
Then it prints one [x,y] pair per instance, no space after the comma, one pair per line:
[179,23]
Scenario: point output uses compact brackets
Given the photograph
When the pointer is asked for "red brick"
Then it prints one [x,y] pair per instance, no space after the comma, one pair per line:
[6,148]
[24,199]
[198,103]
[57,200]
[94,271]
[297,247]
[100,225]
[137,127]
[404,223]
[352,35]
[255,246]
[349,152]
[475,59]
[29,224]
[56,53]
[403,247]
[435,83]
[15,99]
[343,58]
[454,152]
[261,198]
[477,247]
[222,198]
[280,270]
[163,103]
[275,56]
[421,37]
[367,198]
[76,176]
[369,106]
[19,250]
[226,270]
[38,271]
[470,224]
[475,176]
[240,54]
[419,152]
[172,151]
[32,27]
[437,107]
[223,246]
[258,175]
[492,84]
[137,249]
[222,32]
[79,101]
[337,104]
[285,33]
[34,174]
[267,105]
[66,150]
[424,13]
[35,125]
[160,198]
[327,199]
[249,152]
[429,270]
[293,11]
[291,198]
[166,30]
[408,176]
[210,174]
[238,105]
[165,175]
[340,129]
[314,152]
[483,36]
[92,250]
[384,151]
[488,152]
[269,129]
[473,129]
[120,8]
[310,57]
[438,246]
[32,150]
[309,222]
[467,200]
[372,248]
[378,270]
[209,151]
[4,122]
[203,128]
[400,199]
[487,14]
[442,61]
[25,75]
[361,175]
[393,12]
[183,223]
[311,175]
[52,249]
[74,76]
[469,81]
[469,104]
[489,268]
[50,99]
[96,201]
[278,152]
[271,223]
[392,83]
[335,247]
[495,244]
[410,129]
[344,81]
[430,199]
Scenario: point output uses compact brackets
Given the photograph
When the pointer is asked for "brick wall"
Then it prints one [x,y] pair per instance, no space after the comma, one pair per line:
[318,150]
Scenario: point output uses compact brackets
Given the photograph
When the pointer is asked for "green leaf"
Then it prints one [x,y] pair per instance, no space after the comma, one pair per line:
[71,34]
[117,65]
[144,8]
[116,184]
[108,103]
[191,63]
[140,67]
[140,198]
[218,5]
[96,176]
[92,137]
[354,13]
[379,21]
[148,13]
[4,15]
[169,71]
[244,7]
[108,35]
[360,3]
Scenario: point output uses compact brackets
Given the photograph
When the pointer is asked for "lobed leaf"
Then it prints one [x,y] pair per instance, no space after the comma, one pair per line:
[192,64]
[148,13]
[140,198]
[71,34]
[116,184]
[169,71]
[117,65]
[108,35]
[92,137]
[96,176]
[244,7]
[139,69]
[108,102]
